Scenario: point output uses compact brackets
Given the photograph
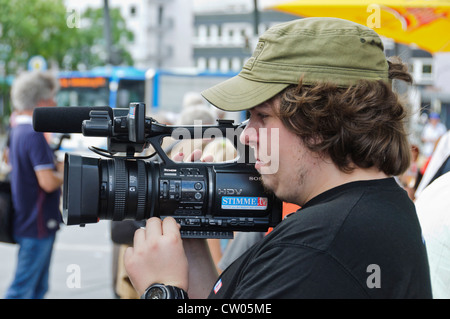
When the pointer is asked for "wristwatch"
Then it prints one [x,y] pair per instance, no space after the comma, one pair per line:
[161,291]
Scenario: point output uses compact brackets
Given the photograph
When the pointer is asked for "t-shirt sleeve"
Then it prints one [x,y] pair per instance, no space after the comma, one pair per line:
[295,271]
[39,153]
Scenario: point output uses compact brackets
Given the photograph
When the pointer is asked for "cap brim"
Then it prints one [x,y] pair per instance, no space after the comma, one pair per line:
[239,93]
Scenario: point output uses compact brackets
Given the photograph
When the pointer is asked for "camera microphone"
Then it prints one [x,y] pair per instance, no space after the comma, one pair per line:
[64,119]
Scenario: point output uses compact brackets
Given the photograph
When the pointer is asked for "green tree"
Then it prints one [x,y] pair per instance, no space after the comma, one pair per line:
[43,27]
[28,28]
[91,47]
[47,28]
[32,27]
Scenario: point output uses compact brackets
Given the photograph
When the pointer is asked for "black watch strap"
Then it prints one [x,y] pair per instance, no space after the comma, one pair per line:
[161,291]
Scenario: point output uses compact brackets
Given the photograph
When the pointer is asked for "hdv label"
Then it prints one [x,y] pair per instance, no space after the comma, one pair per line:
[237,202]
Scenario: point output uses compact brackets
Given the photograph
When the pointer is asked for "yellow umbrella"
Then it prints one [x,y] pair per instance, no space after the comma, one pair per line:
[421,22]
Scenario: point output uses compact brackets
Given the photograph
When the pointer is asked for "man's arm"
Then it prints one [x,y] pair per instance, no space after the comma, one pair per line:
[49,180]
[202,271]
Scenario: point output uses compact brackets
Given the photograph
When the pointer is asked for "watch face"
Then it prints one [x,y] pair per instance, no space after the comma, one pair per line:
[156,293]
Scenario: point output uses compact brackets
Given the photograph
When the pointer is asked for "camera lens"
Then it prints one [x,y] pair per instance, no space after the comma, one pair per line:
[112,189]
[123,189]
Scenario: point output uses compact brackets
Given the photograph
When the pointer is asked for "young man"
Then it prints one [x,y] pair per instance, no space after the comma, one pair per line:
[323,85]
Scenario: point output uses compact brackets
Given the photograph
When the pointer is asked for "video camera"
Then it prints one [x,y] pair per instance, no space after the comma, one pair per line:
[208,200]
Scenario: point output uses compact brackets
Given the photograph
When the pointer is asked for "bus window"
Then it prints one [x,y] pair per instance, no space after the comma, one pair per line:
[130,91]
[102,86]
[81,94]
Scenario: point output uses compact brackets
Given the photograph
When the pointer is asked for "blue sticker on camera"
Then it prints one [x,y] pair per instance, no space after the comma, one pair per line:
[250,203]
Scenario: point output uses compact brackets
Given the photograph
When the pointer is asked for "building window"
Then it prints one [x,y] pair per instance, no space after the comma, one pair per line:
[133,11]
[426,68]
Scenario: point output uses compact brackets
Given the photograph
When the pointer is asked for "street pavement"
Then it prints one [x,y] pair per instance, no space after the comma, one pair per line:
[81,265]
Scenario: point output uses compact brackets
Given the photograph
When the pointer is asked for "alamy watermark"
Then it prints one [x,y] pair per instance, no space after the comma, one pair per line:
[74,279]
[267,148]
[374,279]
[73,19]
[374,19]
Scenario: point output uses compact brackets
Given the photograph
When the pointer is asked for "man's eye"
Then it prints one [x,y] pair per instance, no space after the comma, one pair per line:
[262,116]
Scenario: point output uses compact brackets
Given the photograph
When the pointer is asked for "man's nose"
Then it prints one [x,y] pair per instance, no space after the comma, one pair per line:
[249,135]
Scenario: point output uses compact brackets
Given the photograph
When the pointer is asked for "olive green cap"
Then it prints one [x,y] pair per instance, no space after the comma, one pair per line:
[315,49]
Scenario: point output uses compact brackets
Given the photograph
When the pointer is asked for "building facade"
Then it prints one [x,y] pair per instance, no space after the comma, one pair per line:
[162,29]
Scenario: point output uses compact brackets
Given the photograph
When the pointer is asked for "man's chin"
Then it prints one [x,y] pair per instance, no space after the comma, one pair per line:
[266,183]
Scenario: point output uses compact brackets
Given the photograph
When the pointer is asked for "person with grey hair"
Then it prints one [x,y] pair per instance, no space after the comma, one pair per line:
[33,89]
[35,187]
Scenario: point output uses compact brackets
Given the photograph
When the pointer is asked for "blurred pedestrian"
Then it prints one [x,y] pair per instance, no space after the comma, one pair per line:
[193,99]
[438,165]
[433,210]
[35,184]
[432,131]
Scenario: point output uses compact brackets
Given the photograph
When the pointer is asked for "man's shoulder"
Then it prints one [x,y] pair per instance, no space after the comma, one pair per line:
[26,132]
[356,205]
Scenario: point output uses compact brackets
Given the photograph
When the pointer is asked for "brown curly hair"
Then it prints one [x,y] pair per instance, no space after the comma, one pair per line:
[362,125]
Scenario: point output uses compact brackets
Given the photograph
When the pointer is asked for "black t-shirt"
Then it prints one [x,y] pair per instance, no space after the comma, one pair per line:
[358,240]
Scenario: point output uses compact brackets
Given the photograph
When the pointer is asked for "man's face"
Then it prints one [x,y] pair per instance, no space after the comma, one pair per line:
[290,178]
[434,121]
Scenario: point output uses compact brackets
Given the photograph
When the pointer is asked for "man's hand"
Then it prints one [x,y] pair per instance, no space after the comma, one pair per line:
[195,156]
[157,256]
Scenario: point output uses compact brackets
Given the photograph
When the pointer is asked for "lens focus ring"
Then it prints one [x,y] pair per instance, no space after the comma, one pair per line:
[142,190]
[120,188]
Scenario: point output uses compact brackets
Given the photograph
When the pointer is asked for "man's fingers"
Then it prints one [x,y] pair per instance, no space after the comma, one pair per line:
[139,236]
[153,228]
[170,226]
[196,155]
[178,157]
[208,159]
[156,227]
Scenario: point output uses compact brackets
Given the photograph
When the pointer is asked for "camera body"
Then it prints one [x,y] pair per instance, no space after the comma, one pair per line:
[208,200]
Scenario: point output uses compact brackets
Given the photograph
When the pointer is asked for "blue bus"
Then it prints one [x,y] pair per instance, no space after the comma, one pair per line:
[114,86]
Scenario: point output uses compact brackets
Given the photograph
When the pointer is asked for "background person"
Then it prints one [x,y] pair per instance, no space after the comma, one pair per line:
[432,131]
[35,186]
[438,165]
[433,209]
